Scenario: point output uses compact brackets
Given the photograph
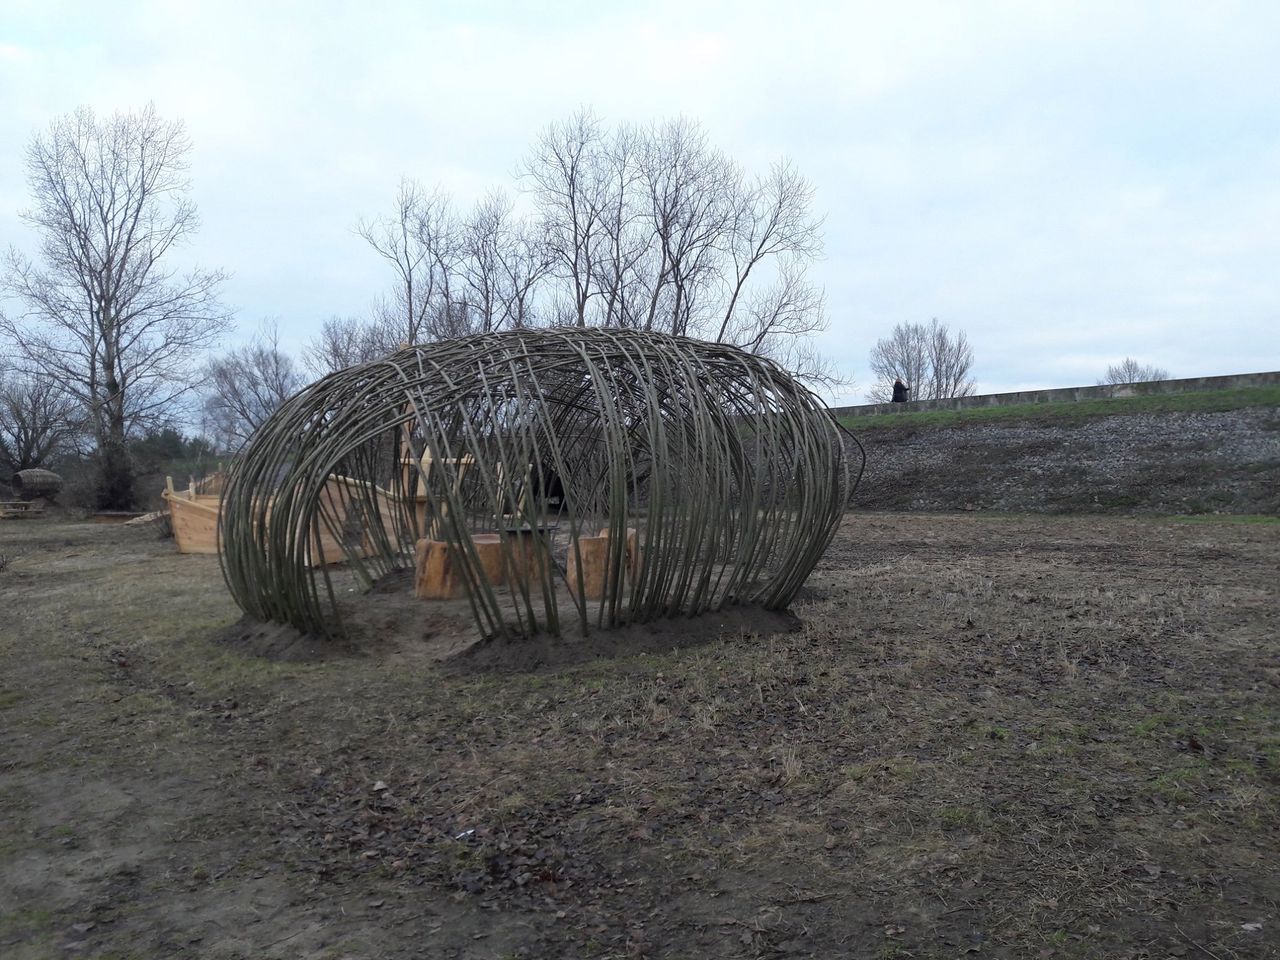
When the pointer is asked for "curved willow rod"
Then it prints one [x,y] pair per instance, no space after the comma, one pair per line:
[732,475]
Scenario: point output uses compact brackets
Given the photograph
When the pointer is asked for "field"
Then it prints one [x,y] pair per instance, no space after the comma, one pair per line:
[985,736]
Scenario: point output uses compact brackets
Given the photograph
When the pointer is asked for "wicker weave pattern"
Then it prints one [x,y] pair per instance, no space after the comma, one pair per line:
[733,475]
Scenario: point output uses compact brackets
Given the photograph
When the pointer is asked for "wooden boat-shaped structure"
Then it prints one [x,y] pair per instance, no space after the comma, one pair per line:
[193,518]
[341,530]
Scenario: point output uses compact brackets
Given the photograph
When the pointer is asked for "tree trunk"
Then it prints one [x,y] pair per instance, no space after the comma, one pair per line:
[115,477]
[115,472]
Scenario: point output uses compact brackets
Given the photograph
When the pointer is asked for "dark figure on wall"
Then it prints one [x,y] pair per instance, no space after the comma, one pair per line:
[900,391]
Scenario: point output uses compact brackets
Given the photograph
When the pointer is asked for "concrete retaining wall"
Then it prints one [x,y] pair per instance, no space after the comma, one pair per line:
[1065,394]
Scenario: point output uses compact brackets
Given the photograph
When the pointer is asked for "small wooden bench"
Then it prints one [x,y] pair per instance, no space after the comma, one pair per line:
[19,510]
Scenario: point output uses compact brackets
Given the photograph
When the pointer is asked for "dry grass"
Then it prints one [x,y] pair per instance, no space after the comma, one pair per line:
[1012,737]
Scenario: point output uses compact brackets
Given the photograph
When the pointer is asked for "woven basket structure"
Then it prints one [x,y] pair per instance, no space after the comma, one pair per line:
[718,478]
[36,482]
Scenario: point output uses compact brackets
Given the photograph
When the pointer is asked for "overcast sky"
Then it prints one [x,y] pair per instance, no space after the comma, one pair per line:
[1069,183]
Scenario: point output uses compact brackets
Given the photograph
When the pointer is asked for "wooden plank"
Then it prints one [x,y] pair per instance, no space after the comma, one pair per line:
[194,518]
[195,524]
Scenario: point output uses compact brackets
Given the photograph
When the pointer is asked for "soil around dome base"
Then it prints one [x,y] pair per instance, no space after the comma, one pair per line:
[449,639]
[525,654]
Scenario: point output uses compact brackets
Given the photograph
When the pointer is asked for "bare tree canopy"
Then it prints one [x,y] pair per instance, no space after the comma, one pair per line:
[1131,371]
[419,240]
[930,360]
[102,312]
[245,386]
[38,421]
[641,227]
[345,341]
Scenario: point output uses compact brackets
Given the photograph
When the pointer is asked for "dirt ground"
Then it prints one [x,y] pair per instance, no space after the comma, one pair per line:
[985,736]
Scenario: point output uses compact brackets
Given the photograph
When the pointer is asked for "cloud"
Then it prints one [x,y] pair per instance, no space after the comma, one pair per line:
[1066,182]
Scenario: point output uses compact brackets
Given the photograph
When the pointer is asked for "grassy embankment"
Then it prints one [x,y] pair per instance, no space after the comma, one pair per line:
[1208,401]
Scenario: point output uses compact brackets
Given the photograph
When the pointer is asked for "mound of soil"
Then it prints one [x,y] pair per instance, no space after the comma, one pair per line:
[388,622]
[280,642]
[523,654]
[461,649]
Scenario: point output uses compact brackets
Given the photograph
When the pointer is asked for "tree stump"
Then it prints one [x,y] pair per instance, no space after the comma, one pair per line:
[631,559]
[489,551]
[594,551]
[440,566]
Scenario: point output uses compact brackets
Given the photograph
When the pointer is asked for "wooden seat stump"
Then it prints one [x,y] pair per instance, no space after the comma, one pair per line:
[439,567]
[594,554]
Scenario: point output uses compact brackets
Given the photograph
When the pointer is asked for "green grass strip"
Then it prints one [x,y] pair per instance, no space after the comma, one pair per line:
[1074,411]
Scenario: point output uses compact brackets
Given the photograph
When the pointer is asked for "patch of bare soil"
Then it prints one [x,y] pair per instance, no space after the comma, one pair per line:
[989,736]
[519,654]
[280,642]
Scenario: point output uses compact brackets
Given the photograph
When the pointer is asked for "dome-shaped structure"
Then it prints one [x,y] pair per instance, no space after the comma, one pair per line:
[36,482]
[605,476]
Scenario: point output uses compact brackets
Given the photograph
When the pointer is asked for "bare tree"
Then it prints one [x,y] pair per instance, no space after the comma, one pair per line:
[102,313]
[39,420]
[780,321]
[483,274]
[524,263]
[903,354]
[932,362]
[502,262]
[570,187]
[689,193]
[419,240]
[950,362]
[1131,371]
[345,341]
[650,228]
[246,385]
[770,218]
[626,233]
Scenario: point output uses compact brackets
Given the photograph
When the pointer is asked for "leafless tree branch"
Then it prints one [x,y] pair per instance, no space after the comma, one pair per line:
[102,311]
[1131,371]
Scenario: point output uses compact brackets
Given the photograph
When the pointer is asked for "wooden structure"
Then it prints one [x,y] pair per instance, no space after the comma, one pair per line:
[211,483]
[194,516]
[20,510]
[36,483]
[603,476]
[415,476]
[591,562]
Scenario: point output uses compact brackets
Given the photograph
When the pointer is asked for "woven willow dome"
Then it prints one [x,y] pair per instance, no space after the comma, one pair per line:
[568,478]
